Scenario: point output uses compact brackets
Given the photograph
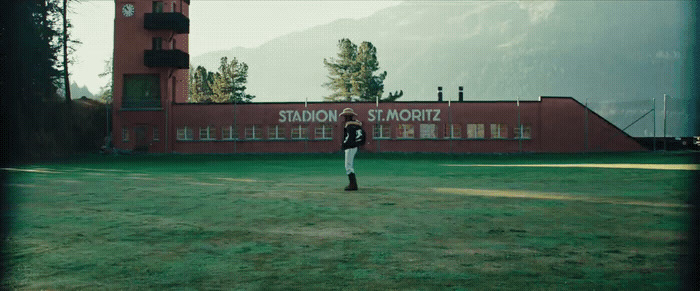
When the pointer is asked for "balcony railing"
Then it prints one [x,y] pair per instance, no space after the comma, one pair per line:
[166,58]
[167,21]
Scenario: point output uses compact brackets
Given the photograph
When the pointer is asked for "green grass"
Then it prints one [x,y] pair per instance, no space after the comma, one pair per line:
[283,222]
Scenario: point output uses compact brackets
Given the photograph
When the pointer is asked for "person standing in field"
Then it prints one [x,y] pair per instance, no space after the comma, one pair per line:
[354,136]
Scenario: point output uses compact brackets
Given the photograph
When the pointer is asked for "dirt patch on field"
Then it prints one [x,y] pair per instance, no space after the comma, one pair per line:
[549,196]
[685,167]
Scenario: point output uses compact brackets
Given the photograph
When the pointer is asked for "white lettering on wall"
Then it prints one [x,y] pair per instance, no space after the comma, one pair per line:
[308,116]
[373,115]
[379,115]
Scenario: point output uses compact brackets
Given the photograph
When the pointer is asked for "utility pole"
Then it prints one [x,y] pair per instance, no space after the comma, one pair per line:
[665,120]
[585,133]
[377,130]
[653,107]
[520,126]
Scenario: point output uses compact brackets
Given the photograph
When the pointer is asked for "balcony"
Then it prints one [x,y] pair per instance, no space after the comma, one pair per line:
[166,58]
[167,21]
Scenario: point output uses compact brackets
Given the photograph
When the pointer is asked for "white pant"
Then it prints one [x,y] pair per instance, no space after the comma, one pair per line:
[350,160]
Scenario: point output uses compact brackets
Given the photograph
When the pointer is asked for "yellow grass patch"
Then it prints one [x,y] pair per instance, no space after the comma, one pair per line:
[548,196]
[686,167]
[238,180]
[46,171]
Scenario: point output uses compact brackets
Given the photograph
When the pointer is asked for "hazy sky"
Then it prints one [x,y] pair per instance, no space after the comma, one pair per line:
[214,25]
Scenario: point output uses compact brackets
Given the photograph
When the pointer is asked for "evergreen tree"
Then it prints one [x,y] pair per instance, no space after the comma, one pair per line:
[366,85]
[352,76]
[106,91]
[229,82]
[342,71]
[200,88]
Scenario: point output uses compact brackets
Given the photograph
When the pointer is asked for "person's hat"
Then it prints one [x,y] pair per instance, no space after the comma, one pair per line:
[348,111]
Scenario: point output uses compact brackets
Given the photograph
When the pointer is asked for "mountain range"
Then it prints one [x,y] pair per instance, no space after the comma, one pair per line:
[604,53]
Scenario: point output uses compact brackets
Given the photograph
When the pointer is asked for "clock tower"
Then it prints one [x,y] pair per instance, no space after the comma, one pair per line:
[151,63]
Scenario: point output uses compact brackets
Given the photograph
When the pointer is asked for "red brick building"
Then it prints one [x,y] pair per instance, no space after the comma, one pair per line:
[150,112]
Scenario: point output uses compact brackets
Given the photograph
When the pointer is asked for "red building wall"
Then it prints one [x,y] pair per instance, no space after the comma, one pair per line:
[556,125]
[131,39]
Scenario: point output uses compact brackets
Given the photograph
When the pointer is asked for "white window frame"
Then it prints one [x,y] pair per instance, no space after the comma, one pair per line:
[382,131]
[300,132]
[406,131]
[185,133]
[451,129]
[323,131]
[527,132]
[428,131]
[476,128]
[125,134]
[229,133]
[156,134]
[207,133]
[255,132]
[501,130]
[275,132]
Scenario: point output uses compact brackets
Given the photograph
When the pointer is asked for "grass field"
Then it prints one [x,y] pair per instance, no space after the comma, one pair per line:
[423,221]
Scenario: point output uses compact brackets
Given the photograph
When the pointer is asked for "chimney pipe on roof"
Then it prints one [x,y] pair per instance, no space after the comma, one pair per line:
[461,93]
[440,94]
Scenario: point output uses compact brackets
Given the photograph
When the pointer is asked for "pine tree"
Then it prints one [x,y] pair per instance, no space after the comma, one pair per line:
[342,71]
[229,82]
[366,85]
[352,76]
[106,91]
[200,89]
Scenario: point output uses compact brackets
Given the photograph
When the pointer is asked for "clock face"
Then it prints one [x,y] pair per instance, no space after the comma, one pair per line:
[128,10]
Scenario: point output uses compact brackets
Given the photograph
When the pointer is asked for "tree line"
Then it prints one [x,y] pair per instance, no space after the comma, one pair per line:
[39,121]
[225,86]
[352,77]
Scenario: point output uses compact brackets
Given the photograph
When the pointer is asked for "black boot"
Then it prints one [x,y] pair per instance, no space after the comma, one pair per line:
[353,183]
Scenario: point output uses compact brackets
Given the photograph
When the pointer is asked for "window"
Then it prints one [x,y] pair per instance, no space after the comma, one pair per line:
[475,130]
[157,43]
[207,133]
[157,6]
[173,5]
[229,133]
[125,134]
[526,130]
[253,132]
[156,134]
[300,132]
[499,130]
[382,131]
[453,131]
[184,133]
[324,131]
[427,131]
[141,91]
[275,132]
[405,131]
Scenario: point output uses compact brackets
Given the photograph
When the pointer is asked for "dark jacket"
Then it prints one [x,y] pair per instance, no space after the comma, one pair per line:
[353,136]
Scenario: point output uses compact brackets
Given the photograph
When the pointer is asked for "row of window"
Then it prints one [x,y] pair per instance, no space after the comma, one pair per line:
[453,131]
[325,132]
[255,132]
